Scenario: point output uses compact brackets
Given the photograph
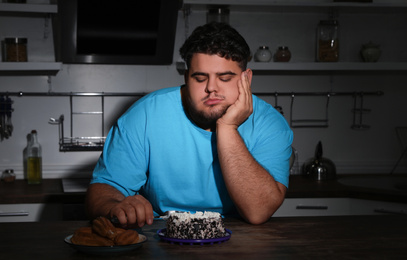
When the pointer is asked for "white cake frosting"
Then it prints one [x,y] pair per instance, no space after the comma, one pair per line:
[184,216]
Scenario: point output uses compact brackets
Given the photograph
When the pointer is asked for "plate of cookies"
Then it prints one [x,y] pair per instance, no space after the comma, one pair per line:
[103,238]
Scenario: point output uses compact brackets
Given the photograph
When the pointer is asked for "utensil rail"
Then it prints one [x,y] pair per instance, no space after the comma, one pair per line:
[77,143]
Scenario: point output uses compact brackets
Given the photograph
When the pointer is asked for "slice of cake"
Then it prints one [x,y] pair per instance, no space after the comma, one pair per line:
[201,225]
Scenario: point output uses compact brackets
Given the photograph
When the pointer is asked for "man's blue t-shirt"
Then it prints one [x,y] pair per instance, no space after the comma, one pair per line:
[155,150]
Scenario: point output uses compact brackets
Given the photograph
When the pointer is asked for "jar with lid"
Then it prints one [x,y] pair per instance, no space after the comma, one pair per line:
[15,49]
[218,14]
[283,54]
[370,52]
[34,160]
[8,176]
[327,41]
[263,54]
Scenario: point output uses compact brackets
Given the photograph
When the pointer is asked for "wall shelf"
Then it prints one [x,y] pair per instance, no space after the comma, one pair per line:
[296,3]
[30,68]
[352,9]
[29,8]
[327,66]
[269,68]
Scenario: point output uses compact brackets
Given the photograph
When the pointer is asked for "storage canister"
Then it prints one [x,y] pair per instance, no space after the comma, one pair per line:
[15,49]
[8,175]
[263,54]
[283,54]
[327,41]
[218,14]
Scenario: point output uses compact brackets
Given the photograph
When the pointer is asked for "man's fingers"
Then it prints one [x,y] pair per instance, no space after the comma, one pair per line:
[133,210]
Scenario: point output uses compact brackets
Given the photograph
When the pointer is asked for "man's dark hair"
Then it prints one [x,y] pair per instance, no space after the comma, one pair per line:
[216,39]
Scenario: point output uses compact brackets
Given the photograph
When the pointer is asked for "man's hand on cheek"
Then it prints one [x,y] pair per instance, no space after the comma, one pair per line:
[238,112]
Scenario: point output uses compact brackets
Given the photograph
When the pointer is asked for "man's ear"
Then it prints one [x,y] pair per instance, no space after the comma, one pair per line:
[249,74]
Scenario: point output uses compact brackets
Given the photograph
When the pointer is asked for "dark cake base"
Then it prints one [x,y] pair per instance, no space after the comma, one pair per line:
[194,228]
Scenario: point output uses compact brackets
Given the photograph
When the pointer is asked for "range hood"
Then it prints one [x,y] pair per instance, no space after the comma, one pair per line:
[116,32]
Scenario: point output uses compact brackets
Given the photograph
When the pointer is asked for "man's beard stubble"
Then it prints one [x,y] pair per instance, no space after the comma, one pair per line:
[200,118]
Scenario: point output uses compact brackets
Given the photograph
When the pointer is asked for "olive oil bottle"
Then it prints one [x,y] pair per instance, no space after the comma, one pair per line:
[34,160]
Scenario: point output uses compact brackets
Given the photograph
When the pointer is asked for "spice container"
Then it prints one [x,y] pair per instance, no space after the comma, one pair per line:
[327,41]
[218,14]
[283,54]
[370,52]
[15,49]
[8,175]
[263,54]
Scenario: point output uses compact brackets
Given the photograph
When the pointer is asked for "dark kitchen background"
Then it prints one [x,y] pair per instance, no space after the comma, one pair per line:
[368,142]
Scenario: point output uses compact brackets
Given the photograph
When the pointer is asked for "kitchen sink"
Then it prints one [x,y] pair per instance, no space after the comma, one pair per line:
[383,182]
[75,185]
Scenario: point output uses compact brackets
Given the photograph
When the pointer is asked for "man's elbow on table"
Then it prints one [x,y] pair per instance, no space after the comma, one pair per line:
[261,213]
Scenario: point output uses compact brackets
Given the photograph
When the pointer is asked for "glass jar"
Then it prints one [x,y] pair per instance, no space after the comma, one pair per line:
[15,49]
[219,14]
[283,54]
[327,41]
[263,54]
[370,52]
[8,175]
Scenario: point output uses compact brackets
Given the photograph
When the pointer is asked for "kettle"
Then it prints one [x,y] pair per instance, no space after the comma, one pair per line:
[319,168]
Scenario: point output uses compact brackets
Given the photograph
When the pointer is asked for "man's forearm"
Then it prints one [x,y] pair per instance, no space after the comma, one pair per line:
[100,198]
[254,191]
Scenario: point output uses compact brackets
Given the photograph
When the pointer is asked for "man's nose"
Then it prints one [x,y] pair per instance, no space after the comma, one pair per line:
[212,85]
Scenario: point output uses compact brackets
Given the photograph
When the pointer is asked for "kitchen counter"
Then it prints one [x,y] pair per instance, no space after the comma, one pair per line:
[345,237]
[51,191]
[301,187]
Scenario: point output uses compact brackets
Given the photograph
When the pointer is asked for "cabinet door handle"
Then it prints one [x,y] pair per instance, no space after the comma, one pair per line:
[13,214]
[312,207]
[400,212]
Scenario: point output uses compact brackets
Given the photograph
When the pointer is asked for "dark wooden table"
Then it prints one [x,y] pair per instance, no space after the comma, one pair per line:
[345,237]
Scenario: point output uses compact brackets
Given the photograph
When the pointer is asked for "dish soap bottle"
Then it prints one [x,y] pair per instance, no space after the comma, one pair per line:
[34,160]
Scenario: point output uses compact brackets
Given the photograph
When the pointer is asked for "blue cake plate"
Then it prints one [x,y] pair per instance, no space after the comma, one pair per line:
[162,234]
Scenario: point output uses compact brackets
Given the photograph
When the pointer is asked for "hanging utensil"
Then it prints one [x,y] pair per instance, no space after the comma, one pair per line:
[2,117]
[309,122]
[8,124]
[358,112]
[276,106]
[402,137]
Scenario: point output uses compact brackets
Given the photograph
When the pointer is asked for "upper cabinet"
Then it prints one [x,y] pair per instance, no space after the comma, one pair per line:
[293,23]
[31,20]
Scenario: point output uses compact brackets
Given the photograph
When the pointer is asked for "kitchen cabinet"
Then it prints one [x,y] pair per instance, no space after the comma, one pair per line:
[373,207]
[30,212]
[295,22]
[302,207]
[14,21]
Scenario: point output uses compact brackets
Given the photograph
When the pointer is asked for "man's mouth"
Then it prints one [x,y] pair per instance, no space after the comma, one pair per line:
[212,101]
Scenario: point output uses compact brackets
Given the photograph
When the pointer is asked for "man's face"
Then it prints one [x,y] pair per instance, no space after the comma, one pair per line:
[211,87]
